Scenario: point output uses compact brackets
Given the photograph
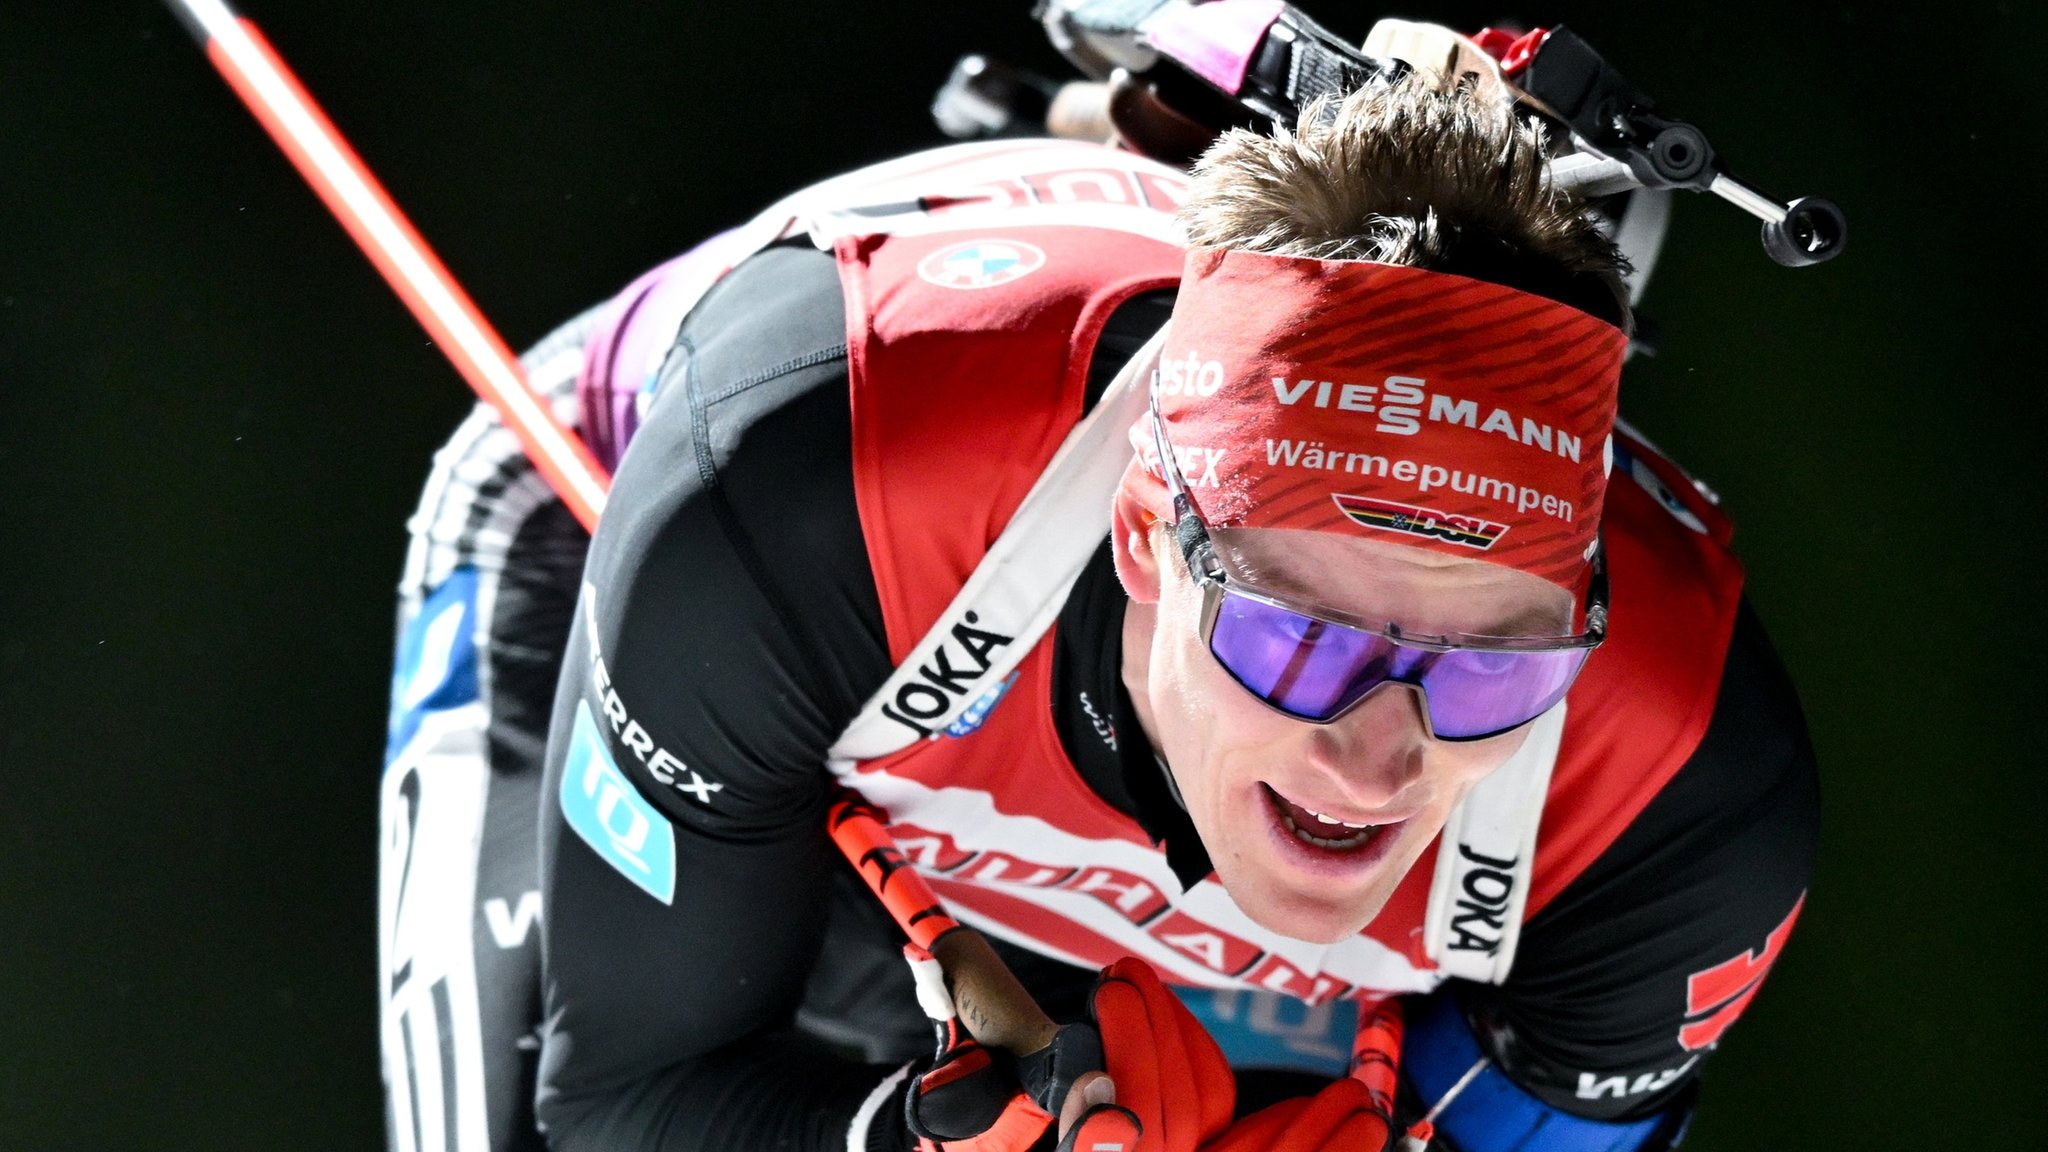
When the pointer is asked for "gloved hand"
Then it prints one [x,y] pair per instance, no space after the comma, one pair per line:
[1340,1118]
[1166,1067]
[976,1099]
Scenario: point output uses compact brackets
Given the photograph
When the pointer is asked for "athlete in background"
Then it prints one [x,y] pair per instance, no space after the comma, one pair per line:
[828,440]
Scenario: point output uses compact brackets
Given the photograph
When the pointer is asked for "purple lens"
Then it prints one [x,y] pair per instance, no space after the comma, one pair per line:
[1314,670]
[1474,693]
[1298,664]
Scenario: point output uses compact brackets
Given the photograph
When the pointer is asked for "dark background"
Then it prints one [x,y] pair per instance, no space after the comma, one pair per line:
[214,419]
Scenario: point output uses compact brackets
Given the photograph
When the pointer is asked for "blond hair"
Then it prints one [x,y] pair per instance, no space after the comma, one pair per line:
[1436,176]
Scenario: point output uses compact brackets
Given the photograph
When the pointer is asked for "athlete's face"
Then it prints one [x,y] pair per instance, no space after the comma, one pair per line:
[1251,776]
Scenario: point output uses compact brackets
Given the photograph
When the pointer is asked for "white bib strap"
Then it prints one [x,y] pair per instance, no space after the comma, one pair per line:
[1485,858]
[1018,589]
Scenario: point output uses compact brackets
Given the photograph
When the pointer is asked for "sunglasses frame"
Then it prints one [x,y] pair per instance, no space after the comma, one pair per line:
[1205,567]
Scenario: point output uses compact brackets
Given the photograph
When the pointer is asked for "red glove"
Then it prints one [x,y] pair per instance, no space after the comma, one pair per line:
[1340,1118]
[1165,1066]
[978,1099]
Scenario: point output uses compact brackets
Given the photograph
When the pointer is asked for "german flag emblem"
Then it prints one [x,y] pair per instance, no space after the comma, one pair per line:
[1387,516]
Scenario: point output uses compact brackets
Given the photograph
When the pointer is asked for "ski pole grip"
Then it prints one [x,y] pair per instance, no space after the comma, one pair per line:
[994,1006]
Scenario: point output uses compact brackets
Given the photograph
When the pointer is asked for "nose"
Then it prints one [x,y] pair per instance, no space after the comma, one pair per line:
[1374,753]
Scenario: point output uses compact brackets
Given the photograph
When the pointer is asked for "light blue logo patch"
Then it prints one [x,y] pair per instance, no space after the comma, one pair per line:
[978,711]
[981,263]
[612,817]
[1270,1030]
[436,668]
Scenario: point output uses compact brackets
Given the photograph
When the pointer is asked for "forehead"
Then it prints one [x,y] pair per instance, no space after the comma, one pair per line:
[1380,581]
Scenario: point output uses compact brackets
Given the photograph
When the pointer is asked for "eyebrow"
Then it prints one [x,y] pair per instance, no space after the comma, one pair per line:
[1529,621]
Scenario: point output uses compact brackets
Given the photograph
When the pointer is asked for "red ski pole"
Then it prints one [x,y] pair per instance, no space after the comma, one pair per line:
[256,73]
[995,1005]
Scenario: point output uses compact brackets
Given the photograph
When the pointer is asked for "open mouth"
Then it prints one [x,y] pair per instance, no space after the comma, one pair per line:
[1317,830]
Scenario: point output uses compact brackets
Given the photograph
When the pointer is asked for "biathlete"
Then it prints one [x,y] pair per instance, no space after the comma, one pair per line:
[1236,582]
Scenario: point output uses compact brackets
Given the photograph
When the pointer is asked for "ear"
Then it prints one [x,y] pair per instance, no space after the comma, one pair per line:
[1134,516]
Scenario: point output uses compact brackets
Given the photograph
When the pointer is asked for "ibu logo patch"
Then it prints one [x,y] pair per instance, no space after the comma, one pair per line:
[614,819]
[981,264]
[979,710]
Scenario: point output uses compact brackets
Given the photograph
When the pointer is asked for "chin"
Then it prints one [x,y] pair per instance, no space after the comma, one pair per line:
[1314,926]
[1314,918]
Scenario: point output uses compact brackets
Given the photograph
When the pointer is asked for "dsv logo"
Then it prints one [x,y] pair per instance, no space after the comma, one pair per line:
[944,680]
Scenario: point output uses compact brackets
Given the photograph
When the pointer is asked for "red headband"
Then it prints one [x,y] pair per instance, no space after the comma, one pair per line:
[1392,402]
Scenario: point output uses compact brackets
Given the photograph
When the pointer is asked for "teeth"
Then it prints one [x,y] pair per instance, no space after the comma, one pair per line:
[1334,820]
[1364,833]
